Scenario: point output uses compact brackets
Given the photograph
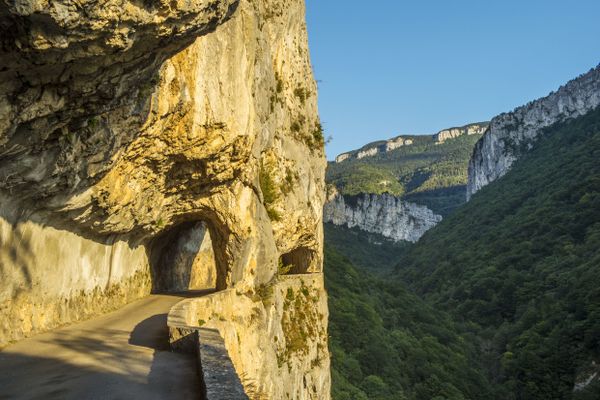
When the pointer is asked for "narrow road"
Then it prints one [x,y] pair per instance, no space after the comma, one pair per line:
[120,355]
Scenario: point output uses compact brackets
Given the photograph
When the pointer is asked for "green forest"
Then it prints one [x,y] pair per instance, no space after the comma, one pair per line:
[387,344]
[426,172]
[512,278]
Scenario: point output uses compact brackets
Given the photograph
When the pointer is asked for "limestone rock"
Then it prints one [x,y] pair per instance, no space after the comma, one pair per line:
[122,126]
[512,133]
[393,144]
[385,146]
[451,133]
[383,214]
[342,157]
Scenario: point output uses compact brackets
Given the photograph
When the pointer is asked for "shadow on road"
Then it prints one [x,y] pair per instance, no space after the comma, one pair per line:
[104,359]
[152,333]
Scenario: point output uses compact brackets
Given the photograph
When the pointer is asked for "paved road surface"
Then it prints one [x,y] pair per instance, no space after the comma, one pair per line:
[121,355]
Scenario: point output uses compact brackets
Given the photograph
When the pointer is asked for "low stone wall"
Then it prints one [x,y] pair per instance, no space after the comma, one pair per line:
[277,330]
[215,369]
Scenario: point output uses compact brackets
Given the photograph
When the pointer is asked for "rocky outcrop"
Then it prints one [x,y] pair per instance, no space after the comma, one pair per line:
[451,133]
[383,214]
[373,149]
[381,147]
[587,376]
[342,157]
[125,125]
[76,81]
[396,143]
[367,152]
[511,134]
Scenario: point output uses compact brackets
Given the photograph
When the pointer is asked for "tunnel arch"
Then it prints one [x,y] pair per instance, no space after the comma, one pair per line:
[186,257]
[301,260]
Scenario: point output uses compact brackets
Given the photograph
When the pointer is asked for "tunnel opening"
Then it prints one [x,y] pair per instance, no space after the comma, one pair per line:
[301,260]
[183,259]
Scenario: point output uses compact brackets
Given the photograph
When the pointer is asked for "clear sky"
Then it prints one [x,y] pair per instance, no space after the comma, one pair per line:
[393,67]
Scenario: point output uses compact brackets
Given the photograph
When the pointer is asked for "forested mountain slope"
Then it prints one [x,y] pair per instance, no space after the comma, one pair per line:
[427,172]
[387,344]
[519,267]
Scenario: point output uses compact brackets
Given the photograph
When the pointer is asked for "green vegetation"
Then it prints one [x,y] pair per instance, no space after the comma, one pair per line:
[264,293]
[93,122]
[425,172]
[386,343]
[302,94]
[279,84]
[296,127]
[519,267]
[318,135]
[499,301]
[367,251]
[300,322]
[283,269]
[270,192]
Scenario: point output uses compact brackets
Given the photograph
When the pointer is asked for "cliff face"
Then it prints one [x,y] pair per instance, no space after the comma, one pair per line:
[511,133]
[451,133]
[384,214]
[124,129]
[386,146]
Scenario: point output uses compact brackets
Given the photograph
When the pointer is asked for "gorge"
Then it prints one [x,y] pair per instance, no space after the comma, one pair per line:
[171,227]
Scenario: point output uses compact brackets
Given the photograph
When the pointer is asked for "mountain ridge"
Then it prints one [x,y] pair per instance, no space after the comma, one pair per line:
[513,133]
[387,145]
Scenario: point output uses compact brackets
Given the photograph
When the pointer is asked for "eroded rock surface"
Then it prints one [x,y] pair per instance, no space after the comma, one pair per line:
[510,134]
[385,146]
[451,133]
[383,214]
[121,123]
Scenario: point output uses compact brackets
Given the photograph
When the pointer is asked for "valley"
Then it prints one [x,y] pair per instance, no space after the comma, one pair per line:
[511,276]
[212,200]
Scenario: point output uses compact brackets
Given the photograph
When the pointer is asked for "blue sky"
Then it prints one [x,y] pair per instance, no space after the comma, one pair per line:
[389,67]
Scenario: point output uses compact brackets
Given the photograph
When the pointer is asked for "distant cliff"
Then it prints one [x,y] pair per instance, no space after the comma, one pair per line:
[512,133]
[451,133]
[383,214]
[385,146]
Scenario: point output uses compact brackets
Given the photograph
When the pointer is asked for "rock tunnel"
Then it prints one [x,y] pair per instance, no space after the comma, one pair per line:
[301,260]
[183,259]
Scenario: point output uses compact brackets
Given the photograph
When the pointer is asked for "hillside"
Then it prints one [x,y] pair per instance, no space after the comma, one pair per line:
[513,133]
[386,343]
[427,172]
[519,267]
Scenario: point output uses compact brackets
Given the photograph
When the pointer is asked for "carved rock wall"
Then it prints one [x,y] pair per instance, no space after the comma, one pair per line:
[121,124]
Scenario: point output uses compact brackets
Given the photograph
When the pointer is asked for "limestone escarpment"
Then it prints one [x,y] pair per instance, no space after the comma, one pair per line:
[383,214]
[512,133]
[373,149]
[382,147]
[123,123]
[426,173]
[451,133]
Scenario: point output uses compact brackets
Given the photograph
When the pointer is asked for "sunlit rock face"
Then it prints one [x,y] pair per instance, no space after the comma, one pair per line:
[511,134]
[452,133]
[75,85]
[385,146]
[122,126]
[383,214]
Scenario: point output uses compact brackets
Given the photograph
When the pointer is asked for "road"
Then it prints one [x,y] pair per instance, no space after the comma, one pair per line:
[120,355]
